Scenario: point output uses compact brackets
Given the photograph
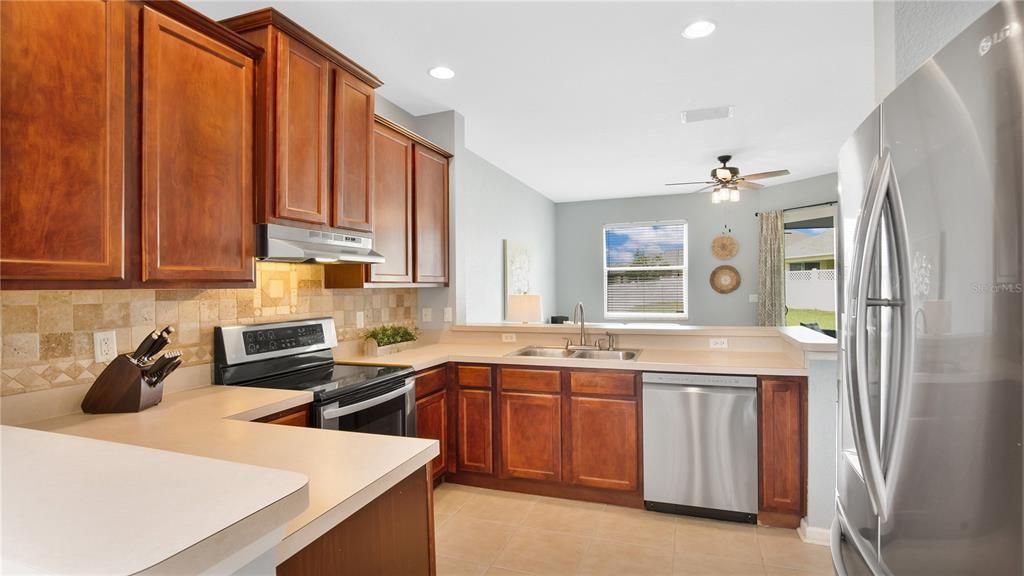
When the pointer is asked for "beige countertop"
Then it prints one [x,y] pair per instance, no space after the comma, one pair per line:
[768,363]
[75,505]
[345,470]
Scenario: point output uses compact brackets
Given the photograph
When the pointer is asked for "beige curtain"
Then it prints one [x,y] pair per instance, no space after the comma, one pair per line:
[771,307]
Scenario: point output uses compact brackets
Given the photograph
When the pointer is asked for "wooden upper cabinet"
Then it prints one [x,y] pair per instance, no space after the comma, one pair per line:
[62,114]
[352,185]
[782,419]
[392,205]
[197,221]
[303,80]
[430,186]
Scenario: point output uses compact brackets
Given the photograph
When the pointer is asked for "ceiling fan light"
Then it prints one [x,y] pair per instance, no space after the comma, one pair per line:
[716,196]
[734,195]
[699,29]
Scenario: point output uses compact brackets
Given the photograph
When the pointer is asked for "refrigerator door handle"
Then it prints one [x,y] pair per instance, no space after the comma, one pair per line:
[864,434]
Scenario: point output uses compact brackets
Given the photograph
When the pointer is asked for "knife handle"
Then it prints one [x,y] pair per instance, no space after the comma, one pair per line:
[144,347]
[163,337]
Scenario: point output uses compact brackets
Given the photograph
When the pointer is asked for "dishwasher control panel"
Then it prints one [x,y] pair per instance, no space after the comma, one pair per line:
[720,380]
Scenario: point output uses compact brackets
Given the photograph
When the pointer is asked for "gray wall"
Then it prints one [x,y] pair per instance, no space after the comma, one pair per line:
[498,207]
[580,247]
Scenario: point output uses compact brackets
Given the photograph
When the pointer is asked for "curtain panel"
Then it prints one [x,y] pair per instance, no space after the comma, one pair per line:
[771,307]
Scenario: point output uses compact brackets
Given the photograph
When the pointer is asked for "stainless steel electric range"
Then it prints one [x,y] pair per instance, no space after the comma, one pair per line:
[298,355]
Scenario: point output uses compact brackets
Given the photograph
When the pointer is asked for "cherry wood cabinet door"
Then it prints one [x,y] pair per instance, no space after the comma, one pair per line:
[531,436]
[353,153]
[392,205]
[783,447]
[62,114]
[303,82]
[605,443]
[432,422]
[197,196]
[430,185]
[474,436]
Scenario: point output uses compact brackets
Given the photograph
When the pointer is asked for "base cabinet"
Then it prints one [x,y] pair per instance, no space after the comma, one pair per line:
[432,422]
[393,534]
[782,450]
[605,450]
[531,436]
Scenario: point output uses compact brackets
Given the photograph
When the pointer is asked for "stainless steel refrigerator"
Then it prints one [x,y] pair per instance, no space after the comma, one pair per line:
[930,305]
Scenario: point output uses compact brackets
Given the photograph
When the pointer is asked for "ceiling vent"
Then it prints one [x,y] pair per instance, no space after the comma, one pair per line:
[704,114]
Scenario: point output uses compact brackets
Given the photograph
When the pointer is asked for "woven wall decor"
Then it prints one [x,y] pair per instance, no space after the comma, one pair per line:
[725,279]
[724,246]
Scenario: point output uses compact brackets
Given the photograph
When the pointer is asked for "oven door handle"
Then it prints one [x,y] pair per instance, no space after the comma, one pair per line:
[331,413]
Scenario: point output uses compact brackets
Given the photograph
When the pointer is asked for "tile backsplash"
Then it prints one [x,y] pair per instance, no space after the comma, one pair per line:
[48,334]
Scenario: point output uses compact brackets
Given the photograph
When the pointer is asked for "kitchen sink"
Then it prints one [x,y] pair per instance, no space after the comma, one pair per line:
[544,352]
[606,354]
[558,352]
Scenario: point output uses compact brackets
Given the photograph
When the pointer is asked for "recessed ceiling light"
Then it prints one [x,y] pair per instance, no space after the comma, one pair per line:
[442,73]
[699,29]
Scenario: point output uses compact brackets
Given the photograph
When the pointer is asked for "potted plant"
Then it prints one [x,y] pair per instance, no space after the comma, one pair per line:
[388,339]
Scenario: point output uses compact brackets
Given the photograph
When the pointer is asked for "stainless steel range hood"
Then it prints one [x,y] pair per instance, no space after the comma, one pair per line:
[277,243]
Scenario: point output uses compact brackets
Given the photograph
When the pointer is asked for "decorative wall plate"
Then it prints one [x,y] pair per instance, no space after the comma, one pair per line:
[725,279]
[724,246]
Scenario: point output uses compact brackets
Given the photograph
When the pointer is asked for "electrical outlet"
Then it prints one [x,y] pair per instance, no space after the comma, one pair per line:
[104,346]
[508,338]
[360,319]
[428,314]
[754,299]
[718,343]
[447,313]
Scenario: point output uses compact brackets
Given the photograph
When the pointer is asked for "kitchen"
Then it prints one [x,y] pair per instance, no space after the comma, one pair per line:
[317,235]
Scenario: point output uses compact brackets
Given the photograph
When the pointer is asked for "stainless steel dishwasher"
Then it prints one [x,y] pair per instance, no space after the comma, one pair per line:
[700,445]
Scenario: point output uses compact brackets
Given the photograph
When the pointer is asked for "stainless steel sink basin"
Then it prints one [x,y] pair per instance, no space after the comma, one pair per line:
[606,354]
[558,352]
[544,352]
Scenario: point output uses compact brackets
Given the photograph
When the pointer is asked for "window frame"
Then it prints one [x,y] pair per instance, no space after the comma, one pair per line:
[685,267]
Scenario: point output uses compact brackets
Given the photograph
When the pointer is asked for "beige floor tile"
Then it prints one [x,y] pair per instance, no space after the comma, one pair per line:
[635,526]
[716,538]
[440,519]
[471,539]
[450,498]
[613,558]
[506,507]
[784,548]
[696,564]
[495,571]
[560,515]
[448,566]
[780,571]
[543,553]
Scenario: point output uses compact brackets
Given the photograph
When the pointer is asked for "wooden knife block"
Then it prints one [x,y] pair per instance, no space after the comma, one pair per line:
[121,388]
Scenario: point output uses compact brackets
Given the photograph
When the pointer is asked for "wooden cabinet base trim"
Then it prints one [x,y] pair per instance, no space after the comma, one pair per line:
[545,488]
[778,519]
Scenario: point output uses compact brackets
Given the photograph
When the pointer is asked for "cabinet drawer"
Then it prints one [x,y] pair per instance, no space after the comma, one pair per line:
[474,376]
[431,380]
[605,383]
[530,380]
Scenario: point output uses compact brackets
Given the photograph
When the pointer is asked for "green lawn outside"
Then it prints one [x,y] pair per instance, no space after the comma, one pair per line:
[824,318]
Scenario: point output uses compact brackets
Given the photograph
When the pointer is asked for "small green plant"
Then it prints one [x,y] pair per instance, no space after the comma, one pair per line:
[390,334]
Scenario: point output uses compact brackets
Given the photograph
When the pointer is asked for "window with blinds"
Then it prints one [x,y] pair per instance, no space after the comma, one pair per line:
[645,270]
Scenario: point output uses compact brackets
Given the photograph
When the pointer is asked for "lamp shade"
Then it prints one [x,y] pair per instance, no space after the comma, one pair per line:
[523,308]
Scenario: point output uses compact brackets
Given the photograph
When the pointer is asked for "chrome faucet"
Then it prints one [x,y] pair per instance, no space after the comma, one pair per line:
[578,316]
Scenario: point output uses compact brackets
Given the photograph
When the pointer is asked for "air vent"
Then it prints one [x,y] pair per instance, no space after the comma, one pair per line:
[705,114]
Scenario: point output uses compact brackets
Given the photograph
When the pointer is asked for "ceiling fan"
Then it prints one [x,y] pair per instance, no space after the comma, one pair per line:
[727,181]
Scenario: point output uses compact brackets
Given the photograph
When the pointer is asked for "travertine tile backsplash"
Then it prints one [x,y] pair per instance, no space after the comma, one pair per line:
[48,334]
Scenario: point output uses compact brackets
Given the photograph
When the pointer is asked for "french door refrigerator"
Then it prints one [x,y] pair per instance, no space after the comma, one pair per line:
[930,304]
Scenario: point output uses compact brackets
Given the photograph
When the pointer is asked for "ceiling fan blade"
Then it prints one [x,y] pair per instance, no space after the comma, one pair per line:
[687,183]
[744,185]
[763,175]
[705,189]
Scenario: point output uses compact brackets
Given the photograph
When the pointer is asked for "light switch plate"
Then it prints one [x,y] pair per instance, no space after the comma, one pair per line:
[508,338]
[718,343]
[428,314]
[448,314]
[360,319]
[104,346]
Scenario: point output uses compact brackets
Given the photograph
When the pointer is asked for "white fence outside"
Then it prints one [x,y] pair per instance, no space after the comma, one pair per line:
[811,289]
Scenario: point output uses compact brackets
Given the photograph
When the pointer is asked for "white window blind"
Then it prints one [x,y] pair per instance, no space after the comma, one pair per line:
[645,270]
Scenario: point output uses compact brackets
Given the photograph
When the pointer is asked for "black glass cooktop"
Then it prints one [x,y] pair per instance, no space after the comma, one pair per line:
[330,382]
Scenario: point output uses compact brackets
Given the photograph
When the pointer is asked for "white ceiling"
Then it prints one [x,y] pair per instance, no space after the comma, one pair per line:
[581,100]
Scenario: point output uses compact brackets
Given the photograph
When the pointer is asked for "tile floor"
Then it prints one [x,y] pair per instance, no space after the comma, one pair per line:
[486,532]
